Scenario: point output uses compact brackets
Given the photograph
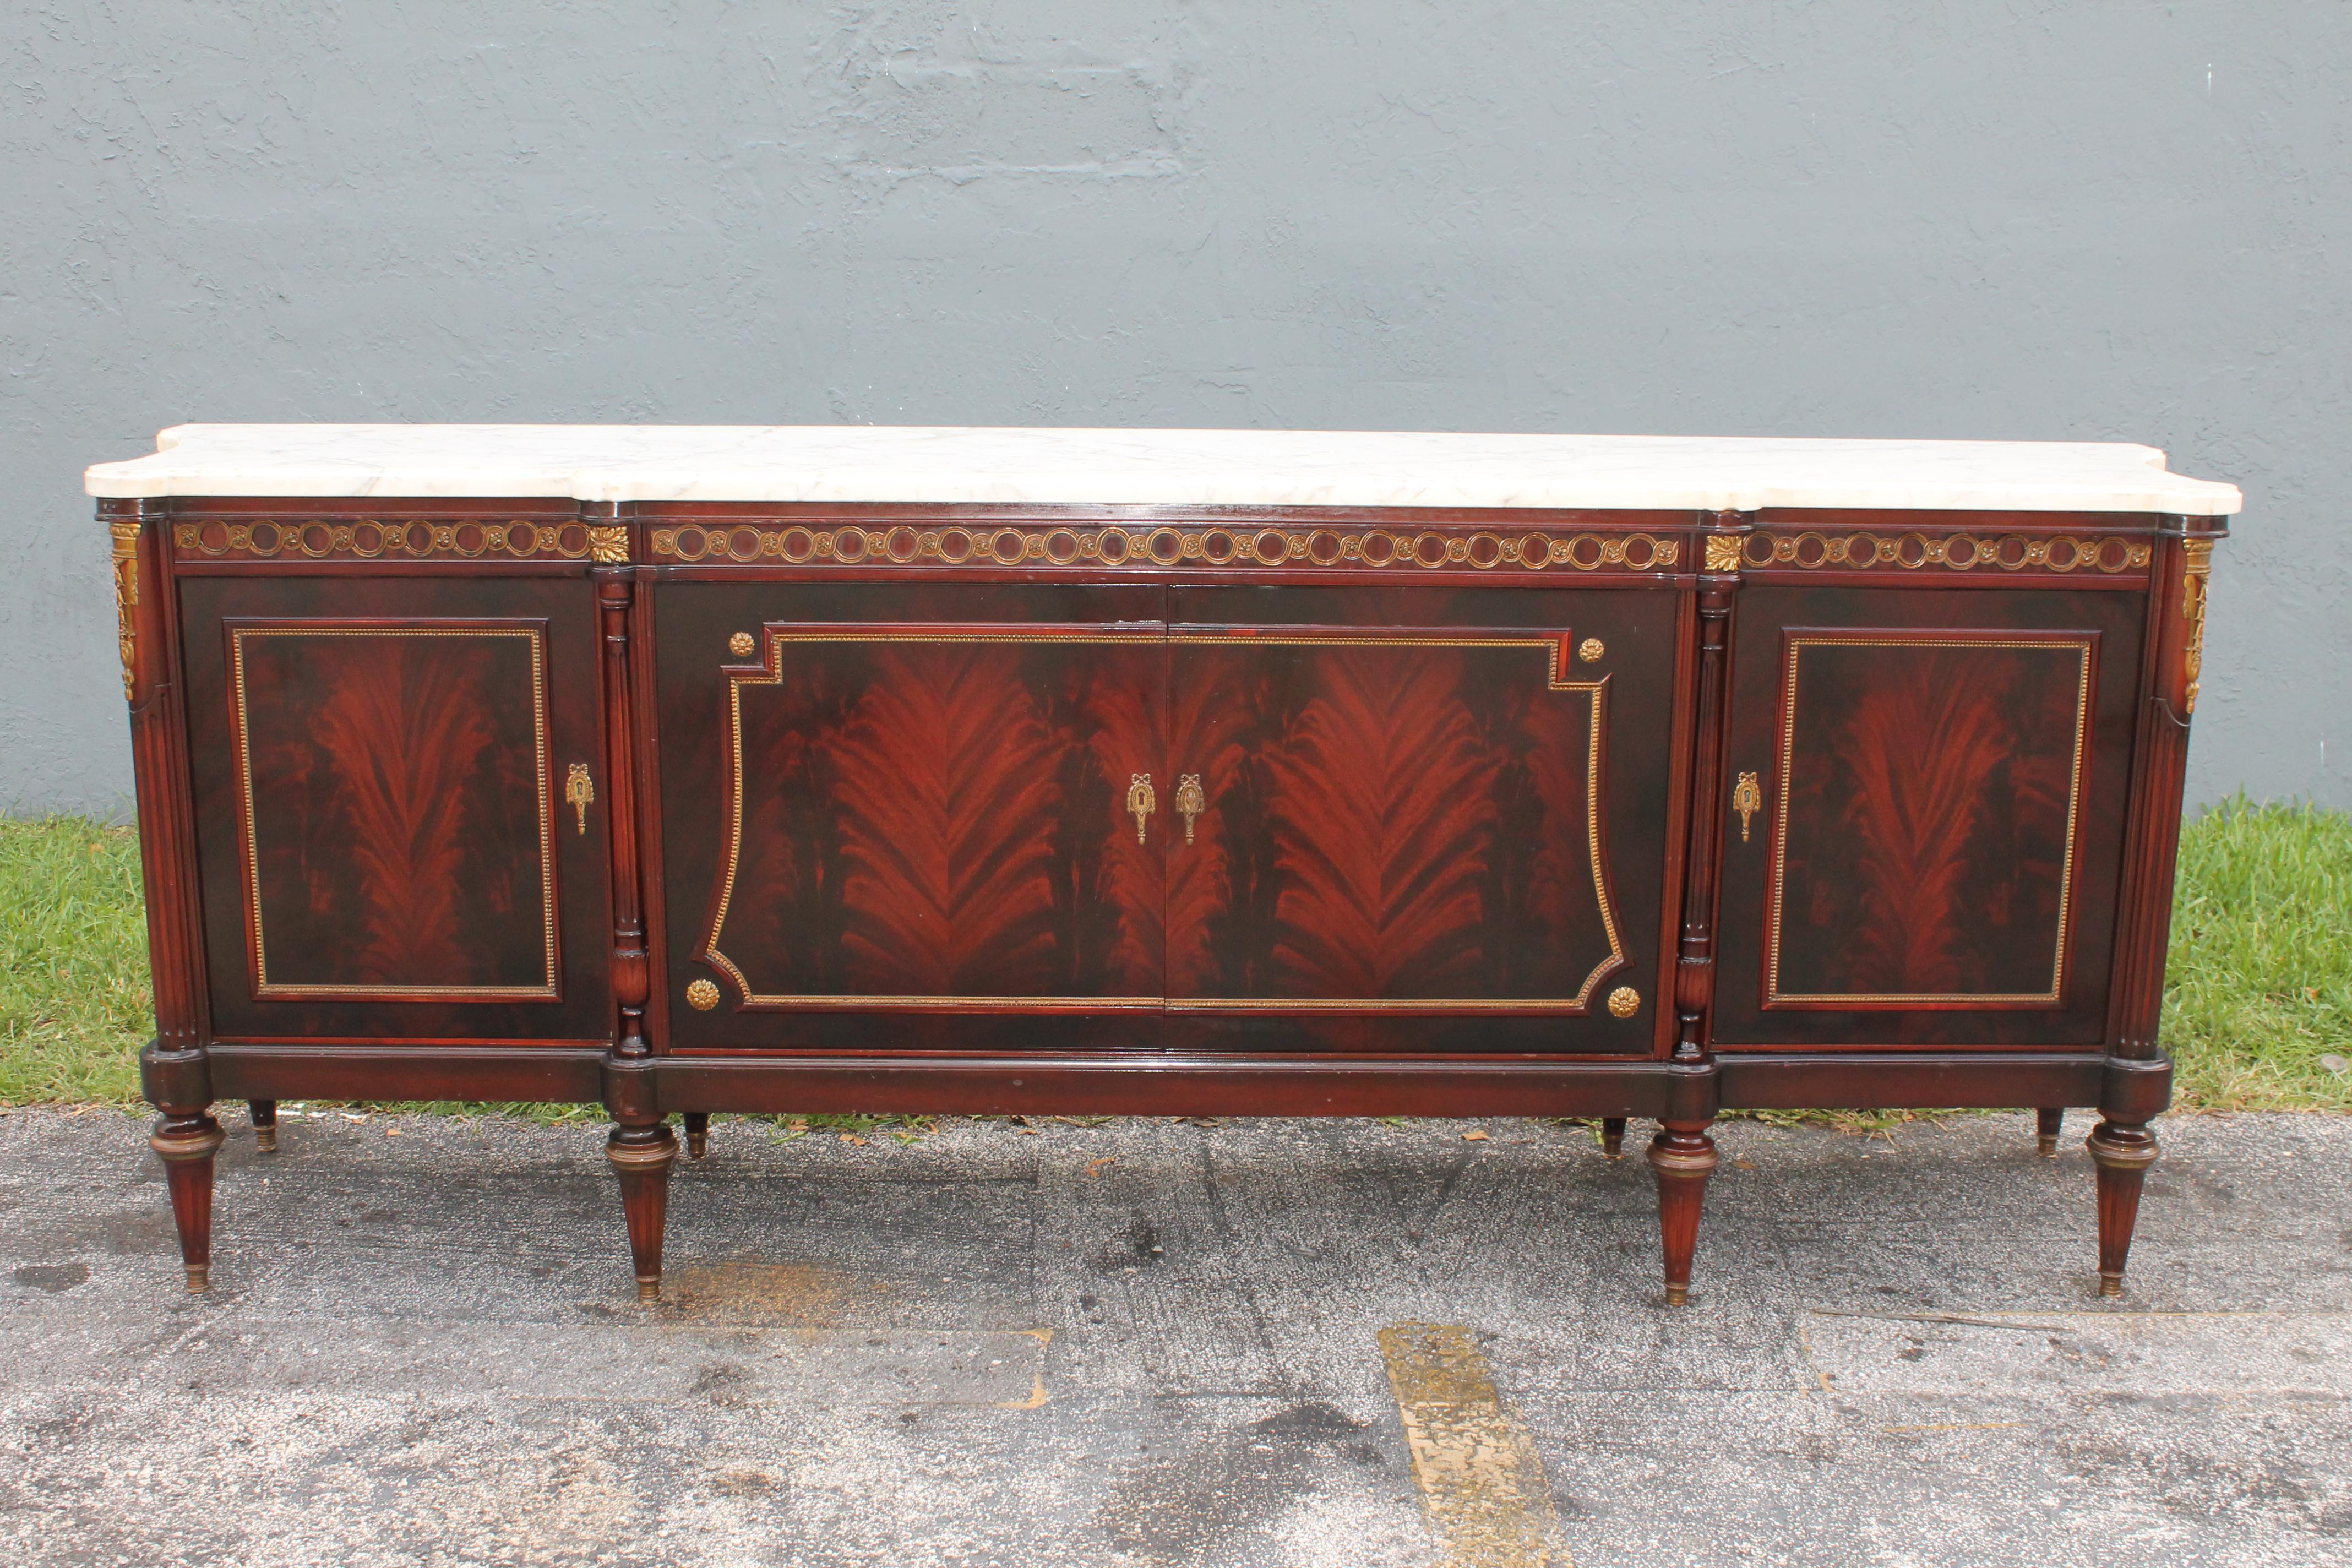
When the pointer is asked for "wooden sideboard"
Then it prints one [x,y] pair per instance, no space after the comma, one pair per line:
[1198,772]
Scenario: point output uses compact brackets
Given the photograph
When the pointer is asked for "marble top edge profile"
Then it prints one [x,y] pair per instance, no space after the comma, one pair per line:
[854,465]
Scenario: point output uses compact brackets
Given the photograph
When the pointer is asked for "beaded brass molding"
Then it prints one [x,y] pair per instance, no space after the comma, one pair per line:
[125,534]
[1298,548]
[400,539]
[1812,551]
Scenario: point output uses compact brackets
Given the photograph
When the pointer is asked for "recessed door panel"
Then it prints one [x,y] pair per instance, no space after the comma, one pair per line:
[1399,818]
[1930,800]
[386,844]
[395,809]
[1914,838]
[940,814]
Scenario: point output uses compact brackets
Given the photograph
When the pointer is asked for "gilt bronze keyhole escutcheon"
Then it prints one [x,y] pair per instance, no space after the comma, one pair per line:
[1747,799]
[1140,802]
[1190,802]
[578,792]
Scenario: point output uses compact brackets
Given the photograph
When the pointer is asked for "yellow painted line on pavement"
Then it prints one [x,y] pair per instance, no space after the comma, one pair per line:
[1482,1484]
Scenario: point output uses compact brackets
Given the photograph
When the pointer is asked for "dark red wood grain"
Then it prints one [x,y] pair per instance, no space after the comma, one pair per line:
[396,805]
[940,810]
[1926,837]
[1400,817]
[1930,793]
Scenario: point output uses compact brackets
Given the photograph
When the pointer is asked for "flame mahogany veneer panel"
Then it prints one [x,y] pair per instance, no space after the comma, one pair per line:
[915,798]
[1930,792]
[397,817]
[1421,801]
[1936,856]
[384,846]
[906,798]
[926,813]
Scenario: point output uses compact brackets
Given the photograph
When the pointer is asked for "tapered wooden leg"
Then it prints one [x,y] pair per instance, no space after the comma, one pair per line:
[642,1157]
[1684,1156]
[2047,1124]
[187,1141]
[264,1125]
[2123,1154]
[697,1134]
[1612,1136]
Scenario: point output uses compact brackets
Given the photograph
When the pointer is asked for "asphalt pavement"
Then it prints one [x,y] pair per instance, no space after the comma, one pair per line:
[1302,1345]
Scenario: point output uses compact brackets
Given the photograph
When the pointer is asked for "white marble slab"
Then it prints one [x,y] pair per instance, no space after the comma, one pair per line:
[1156,467]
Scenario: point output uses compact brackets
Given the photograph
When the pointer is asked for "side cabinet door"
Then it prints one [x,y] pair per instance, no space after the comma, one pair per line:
[1923,816]
[1440,817]
[392,840]
[928,801]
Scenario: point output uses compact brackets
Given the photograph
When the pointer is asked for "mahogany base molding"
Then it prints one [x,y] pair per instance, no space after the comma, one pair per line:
[1139,809]
[1683,1156]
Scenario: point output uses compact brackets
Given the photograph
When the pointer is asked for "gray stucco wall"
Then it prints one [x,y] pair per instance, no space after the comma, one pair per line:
[2079,221]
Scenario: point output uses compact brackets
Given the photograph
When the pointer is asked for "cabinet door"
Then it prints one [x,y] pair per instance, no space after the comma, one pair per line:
[1924,814]
[917,799]
[1422,803]
[381,773]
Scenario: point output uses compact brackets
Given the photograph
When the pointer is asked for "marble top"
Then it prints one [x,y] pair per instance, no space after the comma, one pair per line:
[1153,468]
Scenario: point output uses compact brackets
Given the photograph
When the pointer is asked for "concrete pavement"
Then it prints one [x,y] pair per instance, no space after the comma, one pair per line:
[1331,1344]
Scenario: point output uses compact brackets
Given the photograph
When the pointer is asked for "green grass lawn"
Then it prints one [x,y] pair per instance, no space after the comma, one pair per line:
[2260,985]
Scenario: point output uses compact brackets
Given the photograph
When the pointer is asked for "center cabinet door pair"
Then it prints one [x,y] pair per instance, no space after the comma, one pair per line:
[971,817]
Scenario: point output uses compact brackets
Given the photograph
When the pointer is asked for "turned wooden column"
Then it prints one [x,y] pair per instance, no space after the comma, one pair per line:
[1682,1155]
[2138,1084]
[642,1148]
[174,1073]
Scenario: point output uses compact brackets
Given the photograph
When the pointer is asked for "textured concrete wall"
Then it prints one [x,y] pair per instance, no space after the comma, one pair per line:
[2079,221]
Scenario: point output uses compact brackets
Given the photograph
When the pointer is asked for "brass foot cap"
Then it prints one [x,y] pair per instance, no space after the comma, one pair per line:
[649,1290]
[1677,1295]
[2110,1284]
[695,1148]
[264,1139]
[200,1276]
[2049,1148]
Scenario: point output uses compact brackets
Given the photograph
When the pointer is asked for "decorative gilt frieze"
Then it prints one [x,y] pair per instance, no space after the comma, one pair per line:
[2195,571]
[396,539]
[125,534]
[1287,546]
[1912,551]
